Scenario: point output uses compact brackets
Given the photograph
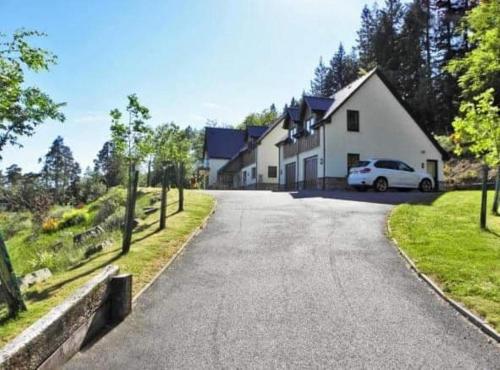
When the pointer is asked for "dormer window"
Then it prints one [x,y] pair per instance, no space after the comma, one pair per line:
[293,133]
[309,125]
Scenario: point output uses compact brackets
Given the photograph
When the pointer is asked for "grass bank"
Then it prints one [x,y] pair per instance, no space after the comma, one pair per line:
[445,242]
[150,251]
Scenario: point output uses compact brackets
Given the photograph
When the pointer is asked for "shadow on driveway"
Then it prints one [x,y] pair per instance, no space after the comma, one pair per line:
[390,197]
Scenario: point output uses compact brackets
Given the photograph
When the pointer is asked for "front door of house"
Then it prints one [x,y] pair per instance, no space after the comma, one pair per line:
[432,169]
[310,172]
[290,178]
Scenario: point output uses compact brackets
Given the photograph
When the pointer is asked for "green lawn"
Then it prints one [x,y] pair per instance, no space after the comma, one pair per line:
[445,242]
[150,251]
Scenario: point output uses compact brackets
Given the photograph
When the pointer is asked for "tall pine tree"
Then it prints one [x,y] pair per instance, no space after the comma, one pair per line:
[343,70]
[110,165]
[387,37]
[451,41]
[60,171]
[413,80]
[319,85]
[366,35]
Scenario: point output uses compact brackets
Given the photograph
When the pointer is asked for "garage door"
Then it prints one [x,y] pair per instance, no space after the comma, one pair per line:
[290,178]
[311,172]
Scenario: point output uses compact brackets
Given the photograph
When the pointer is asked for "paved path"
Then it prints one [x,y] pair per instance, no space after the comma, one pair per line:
[283,281]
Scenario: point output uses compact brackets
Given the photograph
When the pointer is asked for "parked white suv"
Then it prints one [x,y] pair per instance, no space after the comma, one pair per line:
[382,174]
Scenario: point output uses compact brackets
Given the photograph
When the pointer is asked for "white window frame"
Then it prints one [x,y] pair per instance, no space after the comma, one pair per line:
[309,125]
[293,132]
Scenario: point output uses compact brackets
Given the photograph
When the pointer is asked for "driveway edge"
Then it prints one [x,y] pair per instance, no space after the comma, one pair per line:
[476,320]
[174,257]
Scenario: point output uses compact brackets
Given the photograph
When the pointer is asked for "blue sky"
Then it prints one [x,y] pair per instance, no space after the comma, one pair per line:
[188,60]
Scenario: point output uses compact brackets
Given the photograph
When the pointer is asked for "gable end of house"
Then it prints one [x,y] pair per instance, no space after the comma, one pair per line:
[396,95]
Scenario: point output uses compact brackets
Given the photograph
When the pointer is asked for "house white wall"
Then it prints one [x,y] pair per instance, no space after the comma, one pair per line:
[249,180]
[267,154]
[385,130]
[214,165]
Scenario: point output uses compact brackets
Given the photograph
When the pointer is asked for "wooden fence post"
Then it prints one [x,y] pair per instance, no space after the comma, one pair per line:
[484,197]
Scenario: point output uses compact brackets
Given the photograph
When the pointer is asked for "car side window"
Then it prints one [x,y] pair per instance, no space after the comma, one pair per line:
[404,167]
[388,165]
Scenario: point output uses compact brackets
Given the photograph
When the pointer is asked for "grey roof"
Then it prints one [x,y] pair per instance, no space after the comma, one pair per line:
[317,103]
[256,131]
[294,113]
[223,142]
[228,143]
[343,94]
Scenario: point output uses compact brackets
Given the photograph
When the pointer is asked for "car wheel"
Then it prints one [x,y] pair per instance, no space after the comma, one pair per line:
[381,185]
[425,185]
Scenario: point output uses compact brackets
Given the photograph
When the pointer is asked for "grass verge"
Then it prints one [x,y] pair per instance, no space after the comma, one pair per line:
[150,251]
[445,242]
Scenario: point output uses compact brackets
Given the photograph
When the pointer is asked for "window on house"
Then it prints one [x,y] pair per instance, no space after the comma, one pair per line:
[309,125]
[352,160]
[293,132]
[353,120]
[254,172]
[272,172]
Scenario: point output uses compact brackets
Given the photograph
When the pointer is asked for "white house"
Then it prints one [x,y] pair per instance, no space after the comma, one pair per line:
[255,166]
[220,145]
[366,119]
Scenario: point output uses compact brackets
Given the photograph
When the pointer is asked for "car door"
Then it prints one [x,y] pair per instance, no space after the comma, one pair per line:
[388,169]
[407,176]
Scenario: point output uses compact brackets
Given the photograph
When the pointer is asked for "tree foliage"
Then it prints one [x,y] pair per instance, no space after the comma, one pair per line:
[319,85]
[131,139]
[263,118]
[478,125]
[479,69]
[478,128]
[23,108]
[343,70]
[109,165]
[60,171]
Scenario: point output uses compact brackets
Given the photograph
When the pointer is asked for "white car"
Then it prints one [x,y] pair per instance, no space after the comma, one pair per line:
[382,174]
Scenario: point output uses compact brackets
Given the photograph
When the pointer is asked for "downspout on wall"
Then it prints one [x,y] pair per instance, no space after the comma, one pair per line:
[324,156]
[279,167]
[297,177]
[257,167]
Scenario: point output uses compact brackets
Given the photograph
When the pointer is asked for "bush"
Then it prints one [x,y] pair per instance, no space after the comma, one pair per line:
[92,189]
[445,142]
[115,195]
[50,225]
[114,221]
[75,217]
[106,208]
[12,223]
[57,212]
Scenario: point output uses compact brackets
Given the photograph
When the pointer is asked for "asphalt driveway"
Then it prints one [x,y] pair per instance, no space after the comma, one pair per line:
[280,280]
